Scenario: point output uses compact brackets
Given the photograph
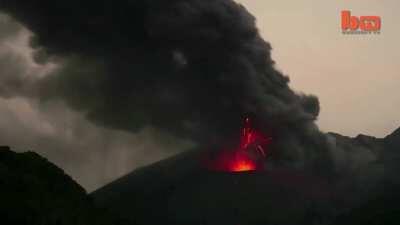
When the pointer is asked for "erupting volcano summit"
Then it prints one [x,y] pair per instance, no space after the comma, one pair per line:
[248,156]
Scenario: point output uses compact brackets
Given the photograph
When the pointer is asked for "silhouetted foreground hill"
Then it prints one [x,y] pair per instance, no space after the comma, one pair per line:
[34,191]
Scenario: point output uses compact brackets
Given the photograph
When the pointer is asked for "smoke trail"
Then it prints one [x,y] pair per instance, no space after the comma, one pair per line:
[191,67]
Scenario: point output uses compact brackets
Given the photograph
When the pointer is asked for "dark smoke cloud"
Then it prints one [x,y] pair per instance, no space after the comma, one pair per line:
[194,68]
[14,78]
[60,134]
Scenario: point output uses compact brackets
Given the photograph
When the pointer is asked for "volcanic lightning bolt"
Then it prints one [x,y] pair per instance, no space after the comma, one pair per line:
[249,156]
[251,138]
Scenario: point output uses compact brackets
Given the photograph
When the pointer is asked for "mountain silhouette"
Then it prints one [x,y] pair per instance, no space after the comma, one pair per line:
[179,191]
[34,191]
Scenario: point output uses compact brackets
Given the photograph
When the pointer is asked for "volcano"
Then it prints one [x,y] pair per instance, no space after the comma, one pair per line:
[221,187]
[226,186]
[180,191]
[234,185]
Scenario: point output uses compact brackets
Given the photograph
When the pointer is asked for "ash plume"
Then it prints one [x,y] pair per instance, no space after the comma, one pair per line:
[194,68]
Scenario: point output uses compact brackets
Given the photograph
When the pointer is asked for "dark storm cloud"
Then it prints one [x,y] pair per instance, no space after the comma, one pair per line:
[13,79]
[60,134]
[194,68]
[9,28]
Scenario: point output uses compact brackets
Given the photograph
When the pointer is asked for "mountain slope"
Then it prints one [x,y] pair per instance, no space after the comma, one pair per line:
[179,191]
[34,191]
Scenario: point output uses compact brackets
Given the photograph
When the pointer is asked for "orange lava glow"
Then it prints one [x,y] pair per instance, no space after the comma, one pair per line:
[249,156]
[243,166]
[232,161]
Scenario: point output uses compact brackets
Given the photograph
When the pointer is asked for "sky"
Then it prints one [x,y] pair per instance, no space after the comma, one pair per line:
[356,78]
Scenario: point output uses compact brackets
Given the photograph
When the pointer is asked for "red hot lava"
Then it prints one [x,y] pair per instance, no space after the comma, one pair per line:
[249,156]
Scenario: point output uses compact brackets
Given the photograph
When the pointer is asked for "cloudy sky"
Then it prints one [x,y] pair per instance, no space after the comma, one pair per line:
[355,77]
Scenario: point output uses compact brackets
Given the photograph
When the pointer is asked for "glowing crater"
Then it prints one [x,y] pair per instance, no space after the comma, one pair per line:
[249,156]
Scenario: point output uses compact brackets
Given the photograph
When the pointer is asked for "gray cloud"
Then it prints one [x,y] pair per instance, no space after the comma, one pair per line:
[63,135]
[9,27]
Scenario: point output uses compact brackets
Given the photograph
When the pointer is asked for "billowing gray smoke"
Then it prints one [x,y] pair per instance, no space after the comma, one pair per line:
[192,67]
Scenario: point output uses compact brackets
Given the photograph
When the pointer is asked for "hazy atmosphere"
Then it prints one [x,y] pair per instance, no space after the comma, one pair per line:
[355,77]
